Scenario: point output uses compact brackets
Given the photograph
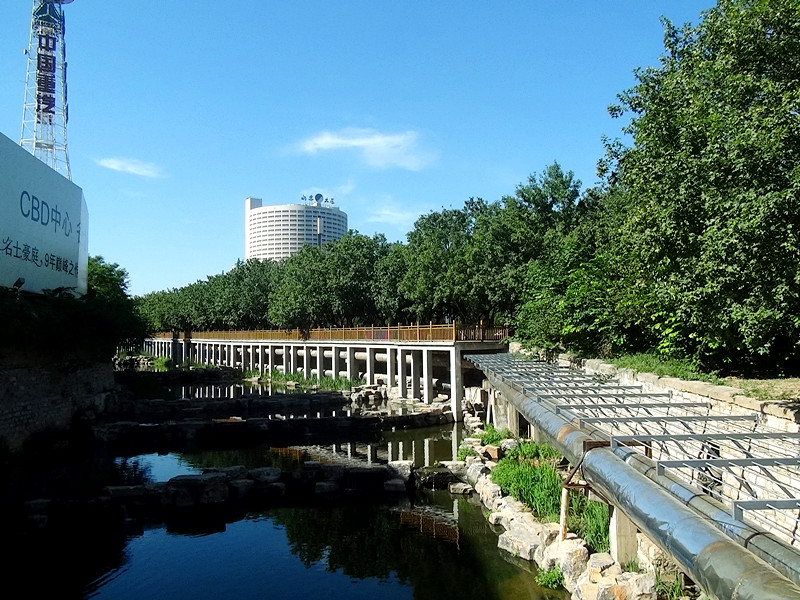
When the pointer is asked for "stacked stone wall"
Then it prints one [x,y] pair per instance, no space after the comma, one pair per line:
[34,399]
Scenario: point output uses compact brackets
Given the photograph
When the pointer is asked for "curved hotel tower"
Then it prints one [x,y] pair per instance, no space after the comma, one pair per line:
[278,231]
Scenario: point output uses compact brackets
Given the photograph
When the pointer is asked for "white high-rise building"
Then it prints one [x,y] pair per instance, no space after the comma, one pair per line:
[278,231]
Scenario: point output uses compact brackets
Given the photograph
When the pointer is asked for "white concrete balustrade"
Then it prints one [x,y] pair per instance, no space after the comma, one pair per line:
[407,367]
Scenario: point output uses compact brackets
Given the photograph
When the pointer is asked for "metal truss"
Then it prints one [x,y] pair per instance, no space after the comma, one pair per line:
[735,458]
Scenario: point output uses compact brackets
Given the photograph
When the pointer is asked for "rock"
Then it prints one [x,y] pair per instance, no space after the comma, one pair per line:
[474,472]
[240,488]
[585,591]
[518,541]
[494,453]
[187,490]
[365,479]
[396,485]
[609,589]
[117,492]
[332,472]
[460,488]
[498,518]
[437,478]
[401,468]
[597,566]
[489,492]
[231,473]
[326,487]
[457,467]
[270,490]
[264,474]
[638,586]
[572,558]
[39,506]
[508,444]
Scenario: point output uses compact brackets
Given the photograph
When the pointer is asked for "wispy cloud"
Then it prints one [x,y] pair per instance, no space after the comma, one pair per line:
[379,150]
[386,211]
[133,166]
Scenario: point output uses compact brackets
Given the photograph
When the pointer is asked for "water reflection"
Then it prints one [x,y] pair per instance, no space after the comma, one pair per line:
[430,546]
[344,550]
[423,447]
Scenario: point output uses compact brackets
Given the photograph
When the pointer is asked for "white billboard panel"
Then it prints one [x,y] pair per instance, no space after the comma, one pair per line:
[43,224]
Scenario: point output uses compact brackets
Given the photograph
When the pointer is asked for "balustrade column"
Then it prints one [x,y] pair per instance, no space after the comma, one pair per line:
[352,371]
[336,361]
[391,365]
[287,359]
[456,384]
[401,372]
[370,365]
[320,362]
[427,376]
[306,361]
[415,374]
[295,358]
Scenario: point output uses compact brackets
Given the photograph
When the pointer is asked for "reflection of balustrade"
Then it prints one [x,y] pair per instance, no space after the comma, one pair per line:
[430,526]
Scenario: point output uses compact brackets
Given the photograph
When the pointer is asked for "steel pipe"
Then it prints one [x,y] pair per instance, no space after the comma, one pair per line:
[724,569]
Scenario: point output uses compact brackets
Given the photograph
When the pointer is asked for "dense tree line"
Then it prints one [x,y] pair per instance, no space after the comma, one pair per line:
[689,247]
[63,326]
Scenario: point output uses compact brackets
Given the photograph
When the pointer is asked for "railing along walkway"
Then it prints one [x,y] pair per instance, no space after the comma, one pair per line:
[453,332]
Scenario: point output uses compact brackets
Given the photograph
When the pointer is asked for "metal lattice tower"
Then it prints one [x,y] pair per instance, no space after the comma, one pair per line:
[45,110]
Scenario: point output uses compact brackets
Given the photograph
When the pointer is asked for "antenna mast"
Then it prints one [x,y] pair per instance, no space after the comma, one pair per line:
[45,111]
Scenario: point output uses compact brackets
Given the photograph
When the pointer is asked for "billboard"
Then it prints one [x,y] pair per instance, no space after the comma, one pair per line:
[43,224]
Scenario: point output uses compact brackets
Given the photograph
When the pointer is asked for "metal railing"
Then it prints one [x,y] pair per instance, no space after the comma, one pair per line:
[453,332]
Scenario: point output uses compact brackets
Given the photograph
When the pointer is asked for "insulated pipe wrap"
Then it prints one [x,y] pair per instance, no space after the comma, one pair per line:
[723,569]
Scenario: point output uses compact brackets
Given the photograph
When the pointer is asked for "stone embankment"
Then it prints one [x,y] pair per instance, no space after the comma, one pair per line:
[587,575]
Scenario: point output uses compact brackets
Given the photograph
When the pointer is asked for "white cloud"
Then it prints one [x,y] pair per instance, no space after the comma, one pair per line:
[377,149]
[386,211]
[133,166]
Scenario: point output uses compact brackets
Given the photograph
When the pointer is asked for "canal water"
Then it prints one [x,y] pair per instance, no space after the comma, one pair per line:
[433,545]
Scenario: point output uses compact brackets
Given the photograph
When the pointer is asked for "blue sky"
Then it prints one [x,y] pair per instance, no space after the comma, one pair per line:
[180,110]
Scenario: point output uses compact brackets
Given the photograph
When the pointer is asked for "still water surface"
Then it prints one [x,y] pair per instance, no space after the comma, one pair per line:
[338,550]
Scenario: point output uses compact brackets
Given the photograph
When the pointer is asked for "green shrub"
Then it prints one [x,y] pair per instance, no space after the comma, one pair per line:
[464,451]
[533,451]
[326,383]
[552,578]
[685,369]
[669,589]
[589,520]
[162,363]
[492,436]
[538,486]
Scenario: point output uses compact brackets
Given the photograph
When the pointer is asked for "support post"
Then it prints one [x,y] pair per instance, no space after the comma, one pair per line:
[456,384]
[562,531]
[622,536]
[427,376]
[401,372]
[415,374]
[391,365]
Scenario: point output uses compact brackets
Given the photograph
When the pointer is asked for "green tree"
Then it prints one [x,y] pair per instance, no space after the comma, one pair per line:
[437,280]
[111,316]
[350,269]
[391,304]
[301,299]
[712,180]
